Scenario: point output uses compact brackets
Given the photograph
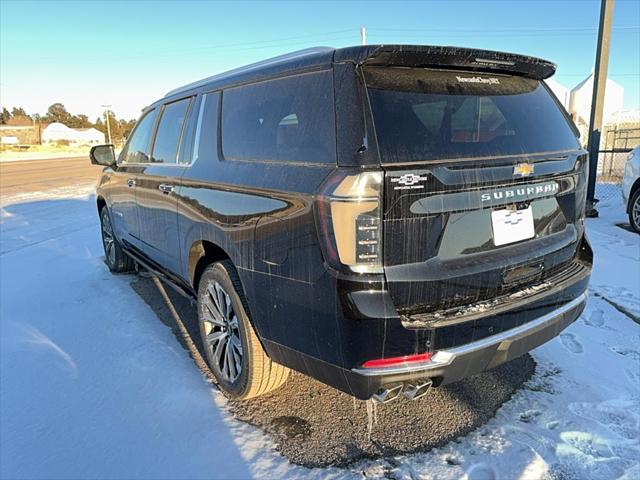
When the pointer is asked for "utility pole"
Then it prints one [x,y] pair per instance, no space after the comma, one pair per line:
[597,101]
[36,130]
[106,114]
[363,35]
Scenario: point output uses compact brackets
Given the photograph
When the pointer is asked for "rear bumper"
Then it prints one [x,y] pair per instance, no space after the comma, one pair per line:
[365,325]
[454,364]
[447,365]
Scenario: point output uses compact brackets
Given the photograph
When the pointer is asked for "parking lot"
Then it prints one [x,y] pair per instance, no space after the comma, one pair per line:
[102,359]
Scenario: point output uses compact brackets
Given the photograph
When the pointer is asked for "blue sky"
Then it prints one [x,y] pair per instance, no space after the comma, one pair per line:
[85,54]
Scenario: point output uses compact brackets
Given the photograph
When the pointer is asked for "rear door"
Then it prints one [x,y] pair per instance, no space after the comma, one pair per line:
[484,186]
[131,161]
[157,202]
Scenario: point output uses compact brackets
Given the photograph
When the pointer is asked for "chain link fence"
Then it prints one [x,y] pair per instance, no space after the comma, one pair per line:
[615,146]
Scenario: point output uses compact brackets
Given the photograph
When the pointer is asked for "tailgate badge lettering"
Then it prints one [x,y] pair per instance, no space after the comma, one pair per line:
[523,169]
[408,181]
[490,80]
[525,192]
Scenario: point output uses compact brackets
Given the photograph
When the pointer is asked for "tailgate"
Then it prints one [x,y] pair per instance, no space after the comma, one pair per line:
[444,249]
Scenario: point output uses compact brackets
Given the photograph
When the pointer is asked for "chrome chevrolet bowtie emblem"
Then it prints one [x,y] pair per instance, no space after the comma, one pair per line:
[523,169]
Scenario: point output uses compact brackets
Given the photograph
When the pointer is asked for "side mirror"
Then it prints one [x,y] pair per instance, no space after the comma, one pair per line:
[103,155]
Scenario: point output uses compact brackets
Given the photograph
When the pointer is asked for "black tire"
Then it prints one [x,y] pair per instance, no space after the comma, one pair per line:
[115,258]
[229,340]
[634,211]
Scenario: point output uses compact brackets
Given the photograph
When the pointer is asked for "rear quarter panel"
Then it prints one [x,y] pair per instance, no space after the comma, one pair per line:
[261,214]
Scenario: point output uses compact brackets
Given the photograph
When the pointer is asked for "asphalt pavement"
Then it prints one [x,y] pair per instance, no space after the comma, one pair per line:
[315,425]
[25,176]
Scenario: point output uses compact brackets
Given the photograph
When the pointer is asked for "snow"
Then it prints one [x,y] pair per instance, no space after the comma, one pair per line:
[93,385]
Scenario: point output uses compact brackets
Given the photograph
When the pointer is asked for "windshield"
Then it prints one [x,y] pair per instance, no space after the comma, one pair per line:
[424,114]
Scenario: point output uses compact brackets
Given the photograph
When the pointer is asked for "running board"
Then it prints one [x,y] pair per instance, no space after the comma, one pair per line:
[162,276]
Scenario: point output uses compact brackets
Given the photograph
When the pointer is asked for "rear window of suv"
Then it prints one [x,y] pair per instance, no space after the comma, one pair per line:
[422,115]
[288,119]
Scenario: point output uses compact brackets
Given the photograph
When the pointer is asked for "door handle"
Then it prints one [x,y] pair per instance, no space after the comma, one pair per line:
[131,182]
[165,188]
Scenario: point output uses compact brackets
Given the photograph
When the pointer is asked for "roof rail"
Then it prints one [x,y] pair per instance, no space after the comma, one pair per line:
[253,66]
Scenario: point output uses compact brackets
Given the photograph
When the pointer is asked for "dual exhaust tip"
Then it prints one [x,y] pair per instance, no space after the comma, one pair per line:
[411,391]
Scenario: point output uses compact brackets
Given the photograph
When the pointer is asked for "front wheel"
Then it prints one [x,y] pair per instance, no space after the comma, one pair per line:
[233,352]
[115,258]
[634,211]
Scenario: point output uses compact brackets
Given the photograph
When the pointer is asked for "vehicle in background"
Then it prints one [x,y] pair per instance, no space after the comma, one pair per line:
[631,188]
[381,218]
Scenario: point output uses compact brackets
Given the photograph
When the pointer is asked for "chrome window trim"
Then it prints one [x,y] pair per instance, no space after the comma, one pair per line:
[196,137]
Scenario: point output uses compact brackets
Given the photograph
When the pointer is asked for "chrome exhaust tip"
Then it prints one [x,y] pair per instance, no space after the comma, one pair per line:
[417,389]
[386,395]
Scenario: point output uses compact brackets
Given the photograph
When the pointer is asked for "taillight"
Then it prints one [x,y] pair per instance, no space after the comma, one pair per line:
[349,216]
[395,361]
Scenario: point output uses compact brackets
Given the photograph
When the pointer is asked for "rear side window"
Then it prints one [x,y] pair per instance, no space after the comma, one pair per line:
[165,147]
[139,145]
[289,119]
[192,122]
[433,115]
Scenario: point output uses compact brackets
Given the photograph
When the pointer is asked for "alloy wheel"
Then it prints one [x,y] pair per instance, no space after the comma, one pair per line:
[108,239]
[221,334]
[635,212]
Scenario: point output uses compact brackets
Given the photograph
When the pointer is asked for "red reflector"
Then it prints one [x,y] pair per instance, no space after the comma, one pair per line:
[387,362]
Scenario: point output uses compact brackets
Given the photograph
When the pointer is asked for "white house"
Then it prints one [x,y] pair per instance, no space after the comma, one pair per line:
[58,131]
[580,101]
[559,91]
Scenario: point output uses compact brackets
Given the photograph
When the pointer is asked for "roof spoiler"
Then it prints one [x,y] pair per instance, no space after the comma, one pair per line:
[447,57]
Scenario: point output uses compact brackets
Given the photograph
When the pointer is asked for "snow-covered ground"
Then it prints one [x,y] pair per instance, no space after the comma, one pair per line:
[92,385]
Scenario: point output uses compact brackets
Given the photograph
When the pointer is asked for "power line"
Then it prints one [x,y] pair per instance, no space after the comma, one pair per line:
[492,35]
[587,74]
[200,51]
[501,30]
[263,42]
[267,43]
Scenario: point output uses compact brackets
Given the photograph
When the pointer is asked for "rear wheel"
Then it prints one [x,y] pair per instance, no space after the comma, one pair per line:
[634,211]
[115,258]
[232,349]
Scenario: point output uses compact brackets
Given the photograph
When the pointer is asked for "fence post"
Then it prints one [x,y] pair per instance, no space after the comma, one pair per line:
[597,101]
[613,148]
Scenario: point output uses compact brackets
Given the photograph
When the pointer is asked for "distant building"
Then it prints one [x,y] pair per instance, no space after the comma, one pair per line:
[559,91]
[55,132]
[23,135]
[580,101]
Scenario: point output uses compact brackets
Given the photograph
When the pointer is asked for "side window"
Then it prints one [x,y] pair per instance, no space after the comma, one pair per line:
[137,150]
[165,147]
[288,119]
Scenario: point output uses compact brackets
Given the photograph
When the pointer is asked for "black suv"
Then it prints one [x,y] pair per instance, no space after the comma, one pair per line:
[382,218]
